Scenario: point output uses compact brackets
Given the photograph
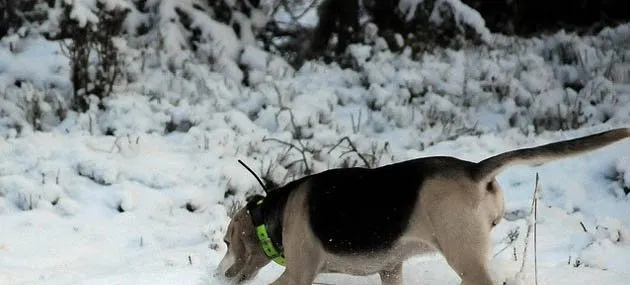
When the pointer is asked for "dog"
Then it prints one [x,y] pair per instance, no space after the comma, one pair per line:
[362,221]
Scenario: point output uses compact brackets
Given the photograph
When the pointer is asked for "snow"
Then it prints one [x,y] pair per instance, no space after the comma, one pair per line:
[83,11]
[463,15]
[74,233]
[35,59]
[408,7]
[118,196]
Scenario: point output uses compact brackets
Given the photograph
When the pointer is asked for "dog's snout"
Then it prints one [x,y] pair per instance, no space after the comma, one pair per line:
[222,270]
[217,274]
[224,276]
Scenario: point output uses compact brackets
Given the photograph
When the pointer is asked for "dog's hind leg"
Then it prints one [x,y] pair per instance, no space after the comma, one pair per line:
[462,235]
[466,252]
[468,259]
[392,276]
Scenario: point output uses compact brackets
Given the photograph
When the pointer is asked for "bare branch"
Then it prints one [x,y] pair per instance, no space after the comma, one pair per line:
[353,148]
[583,227]
[531,229]
[290,145]
[536,196]
[310,6]
[301,149]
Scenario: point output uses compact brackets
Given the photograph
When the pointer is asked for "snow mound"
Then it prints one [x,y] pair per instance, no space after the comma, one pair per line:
[100,170]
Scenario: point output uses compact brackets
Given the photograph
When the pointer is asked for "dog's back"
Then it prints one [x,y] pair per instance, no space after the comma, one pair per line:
[359,210]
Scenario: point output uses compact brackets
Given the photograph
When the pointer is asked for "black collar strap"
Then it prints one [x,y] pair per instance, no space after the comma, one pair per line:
[271,249]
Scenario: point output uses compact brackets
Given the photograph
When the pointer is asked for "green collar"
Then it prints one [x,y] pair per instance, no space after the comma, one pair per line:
[268,245]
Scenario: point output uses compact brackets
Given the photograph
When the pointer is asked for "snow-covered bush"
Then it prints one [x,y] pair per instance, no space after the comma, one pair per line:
[93,26]
[16,16]
[132,114]
[24,194]
[99,170]
[421,25]
[26,109]
[173,33]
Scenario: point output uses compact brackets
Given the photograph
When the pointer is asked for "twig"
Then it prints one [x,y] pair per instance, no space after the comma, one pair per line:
[115,145]
[290,145]
[353,148]
[536,195]
[296,18]
[285,5]
[511,238]
[297,136]
[531,228]
[64,48]
[502,250]
[302,151]
[310,6]
[583,227]
[91,124]
[275,86]
[266,172]
[356,128]
[293,124]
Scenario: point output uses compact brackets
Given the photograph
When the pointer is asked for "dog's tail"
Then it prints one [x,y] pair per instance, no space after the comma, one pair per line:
[488,168]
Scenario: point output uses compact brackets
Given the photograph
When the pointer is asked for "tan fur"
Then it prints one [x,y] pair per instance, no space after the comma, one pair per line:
[454,215]
[244,257]
[490,167]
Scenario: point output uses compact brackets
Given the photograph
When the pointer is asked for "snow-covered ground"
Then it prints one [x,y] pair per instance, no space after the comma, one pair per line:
[80,209]
[110,197]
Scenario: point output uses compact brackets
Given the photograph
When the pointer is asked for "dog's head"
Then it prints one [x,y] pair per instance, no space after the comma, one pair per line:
[244,256]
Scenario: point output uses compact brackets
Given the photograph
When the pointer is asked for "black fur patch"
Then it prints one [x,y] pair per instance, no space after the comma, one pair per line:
[359,211]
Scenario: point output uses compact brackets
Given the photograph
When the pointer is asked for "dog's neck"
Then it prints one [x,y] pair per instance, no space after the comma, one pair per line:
[268,225]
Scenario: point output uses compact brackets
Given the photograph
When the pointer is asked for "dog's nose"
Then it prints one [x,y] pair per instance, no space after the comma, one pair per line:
[218,273]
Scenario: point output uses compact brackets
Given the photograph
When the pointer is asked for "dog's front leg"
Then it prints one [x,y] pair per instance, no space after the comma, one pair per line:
[302,276]
[303,257]
[302,266]
[392,276]
[303,263]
